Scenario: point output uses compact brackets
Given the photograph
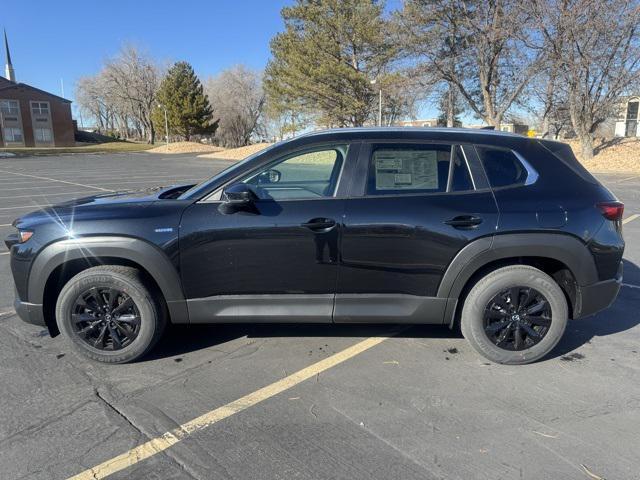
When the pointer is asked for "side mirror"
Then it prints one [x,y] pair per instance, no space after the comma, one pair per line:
[236,197]
[269,176]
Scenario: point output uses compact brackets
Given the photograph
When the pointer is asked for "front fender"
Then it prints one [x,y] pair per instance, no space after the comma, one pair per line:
[148,256]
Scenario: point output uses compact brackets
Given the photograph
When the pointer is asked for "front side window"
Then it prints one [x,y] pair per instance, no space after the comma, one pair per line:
[9,107]
[307,175]
[417,169]
[502,167]
[12,134]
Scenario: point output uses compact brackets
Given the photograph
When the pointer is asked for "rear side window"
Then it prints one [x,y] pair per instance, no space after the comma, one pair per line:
[502,167]
[414,169]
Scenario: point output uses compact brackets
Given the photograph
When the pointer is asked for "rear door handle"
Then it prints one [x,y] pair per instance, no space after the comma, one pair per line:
[320,224]
[464,221]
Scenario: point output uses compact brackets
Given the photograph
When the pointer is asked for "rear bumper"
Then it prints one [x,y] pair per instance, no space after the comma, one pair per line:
[29,312]
[594,298]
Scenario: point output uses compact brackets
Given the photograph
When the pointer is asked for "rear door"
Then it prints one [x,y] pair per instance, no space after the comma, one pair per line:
[414,207]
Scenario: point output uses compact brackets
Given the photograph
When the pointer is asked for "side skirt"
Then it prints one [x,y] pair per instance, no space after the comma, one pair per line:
[302,308]
[389,308]
[287,308]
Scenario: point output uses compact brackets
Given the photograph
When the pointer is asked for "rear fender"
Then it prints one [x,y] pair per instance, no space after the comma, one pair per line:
[566,249]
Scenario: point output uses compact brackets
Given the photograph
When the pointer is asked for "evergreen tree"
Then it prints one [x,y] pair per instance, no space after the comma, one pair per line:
[326,58]
[188,109]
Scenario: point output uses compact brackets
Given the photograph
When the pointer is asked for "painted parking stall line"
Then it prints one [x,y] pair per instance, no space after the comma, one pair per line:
[55,180]
[184,431]
[630,218]
[33,206]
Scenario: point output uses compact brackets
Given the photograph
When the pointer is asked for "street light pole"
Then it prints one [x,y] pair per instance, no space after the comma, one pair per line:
[380,108]
[166,124]
[373,82]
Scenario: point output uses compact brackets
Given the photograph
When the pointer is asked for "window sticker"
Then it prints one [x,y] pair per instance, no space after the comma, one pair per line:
[406,169]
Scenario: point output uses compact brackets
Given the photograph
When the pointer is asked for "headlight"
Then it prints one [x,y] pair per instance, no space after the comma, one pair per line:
[24,235]
[20,236]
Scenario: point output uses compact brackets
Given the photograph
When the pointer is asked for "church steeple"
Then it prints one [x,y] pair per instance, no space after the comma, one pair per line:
[8,68]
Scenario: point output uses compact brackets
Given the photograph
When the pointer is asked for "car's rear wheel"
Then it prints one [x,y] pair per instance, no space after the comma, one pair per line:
[110,314]
[514,315]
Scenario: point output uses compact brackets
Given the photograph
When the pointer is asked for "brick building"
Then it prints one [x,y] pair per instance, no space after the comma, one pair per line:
[30,117]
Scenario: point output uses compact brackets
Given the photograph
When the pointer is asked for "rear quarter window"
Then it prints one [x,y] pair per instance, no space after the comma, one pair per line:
[564,153]
[502,166]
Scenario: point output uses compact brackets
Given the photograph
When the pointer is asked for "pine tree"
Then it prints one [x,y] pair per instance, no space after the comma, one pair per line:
[324,61]
[188,109]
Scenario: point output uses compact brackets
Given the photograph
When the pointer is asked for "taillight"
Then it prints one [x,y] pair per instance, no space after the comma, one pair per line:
[611,210]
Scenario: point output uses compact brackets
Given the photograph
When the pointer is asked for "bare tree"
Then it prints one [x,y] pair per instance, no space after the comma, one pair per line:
[596,46]
[132,80]
[237,98]
[479,47]
[93,100]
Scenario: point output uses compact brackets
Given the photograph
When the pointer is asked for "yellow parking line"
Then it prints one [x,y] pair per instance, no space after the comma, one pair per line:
[170,438]
[630,218]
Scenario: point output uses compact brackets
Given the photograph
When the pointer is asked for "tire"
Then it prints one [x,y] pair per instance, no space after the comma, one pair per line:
[480,310]
[137,331]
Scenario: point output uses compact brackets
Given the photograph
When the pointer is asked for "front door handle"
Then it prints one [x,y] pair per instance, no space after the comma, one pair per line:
[320,224]
[464,221]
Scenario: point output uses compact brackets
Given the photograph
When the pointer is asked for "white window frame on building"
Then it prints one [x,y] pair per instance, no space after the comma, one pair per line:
[9,135]
[7,109]
[39,108]
[42,123]
[11,123]
[628,123]
[43,135]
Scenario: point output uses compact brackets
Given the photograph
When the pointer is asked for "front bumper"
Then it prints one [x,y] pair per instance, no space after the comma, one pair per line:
[29,312]
[594,298]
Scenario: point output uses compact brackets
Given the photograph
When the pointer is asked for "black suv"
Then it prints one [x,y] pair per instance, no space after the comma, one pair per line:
[505,235]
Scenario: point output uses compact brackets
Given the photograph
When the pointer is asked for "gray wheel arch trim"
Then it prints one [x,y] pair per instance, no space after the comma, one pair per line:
[148,256]
[561,247]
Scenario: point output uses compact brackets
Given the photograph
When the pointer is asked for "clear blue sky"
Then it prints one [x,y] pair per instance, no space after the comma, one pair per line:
[67,39]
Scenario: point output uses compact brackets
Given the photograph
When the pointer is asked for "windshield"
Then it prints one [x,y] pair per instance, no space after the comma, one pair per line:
[203,186]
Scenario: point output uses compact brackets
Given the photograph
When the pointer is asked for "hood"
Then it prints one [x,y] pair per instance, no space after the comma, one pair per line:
[131,196]
[109,204]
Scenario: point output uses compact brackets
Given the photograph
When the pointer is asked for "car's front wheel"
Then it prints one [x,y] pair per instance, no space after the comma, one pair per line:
[514,315]
[110,314]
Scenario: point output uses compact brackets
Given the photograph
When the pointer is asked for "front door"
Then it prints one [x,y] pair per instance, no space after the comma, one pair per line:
[276,259]
[418,205]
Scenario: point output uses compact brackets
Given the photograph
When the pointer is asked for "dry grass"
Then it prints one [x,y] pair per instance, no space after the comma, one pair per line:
[237,153]
[185,147]
[616,155]
[108,147]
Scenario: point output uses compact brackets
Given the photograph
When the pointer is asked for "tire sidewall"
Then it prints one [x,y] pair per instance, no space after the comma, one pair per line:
[148,315]
[482,293]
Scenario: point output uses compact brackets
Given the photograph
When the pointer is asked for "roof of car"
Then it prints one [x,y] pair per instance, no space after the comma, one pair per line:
[472,135]
[431,130]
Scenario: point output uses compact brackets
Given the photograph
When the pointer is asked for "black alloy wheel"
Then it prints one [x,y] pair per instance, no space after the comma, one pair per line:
[517,318]
[105,318]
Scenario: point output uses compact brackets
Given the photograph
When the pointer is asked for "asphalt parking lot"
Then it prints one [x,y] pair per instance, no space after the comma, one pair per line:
[373,402]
